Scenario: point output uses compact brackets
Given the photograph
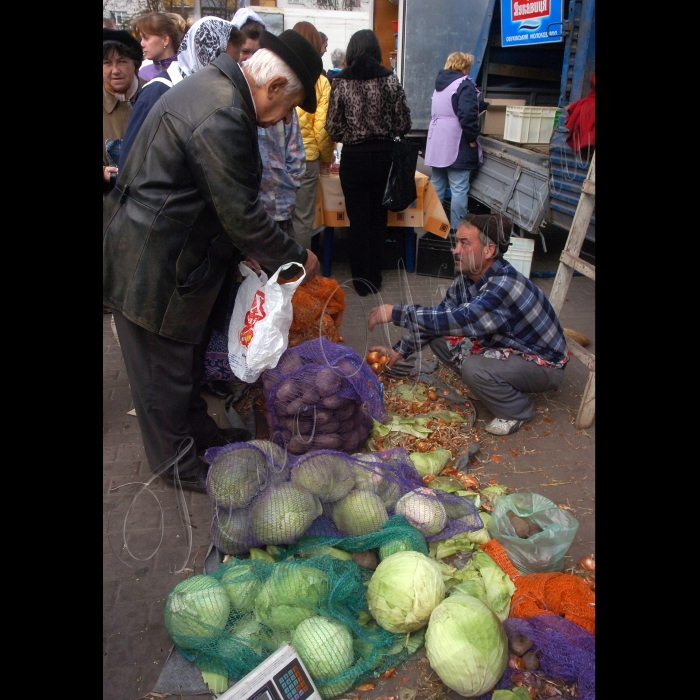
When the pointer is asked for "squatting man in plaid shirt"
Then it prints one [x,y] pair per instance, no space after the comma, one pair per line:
[494,327]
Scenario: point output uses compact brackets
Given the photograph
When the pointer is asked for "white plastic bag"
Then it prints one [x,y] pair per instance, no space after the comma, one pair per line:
[259,330]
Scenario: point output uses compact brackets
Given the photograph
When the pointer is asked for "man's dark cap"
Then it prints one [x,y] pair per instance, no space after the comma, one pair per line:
[496,226]
[300,55]
[122,37]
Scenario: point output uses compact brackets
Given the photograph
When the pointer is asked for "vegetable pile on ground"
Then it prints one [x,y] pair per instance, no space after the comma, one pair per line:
[264,497]
[361,557]
[229,621]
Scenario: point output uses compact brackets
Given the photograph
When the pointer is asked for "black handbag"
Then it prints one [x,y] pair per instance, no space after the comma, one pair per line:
[400,189]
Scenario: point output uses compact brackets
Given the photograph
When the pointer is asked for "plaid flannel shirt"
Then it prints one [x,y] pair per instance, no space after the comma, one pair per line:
[284,164]
[504,311]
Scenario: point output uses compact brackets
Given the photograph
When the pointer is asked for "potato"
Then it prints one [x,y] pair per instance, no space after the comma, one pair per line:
[322,416]
[347,368]
[346,411]
[311,397]
[327,428]
[368,559]
[326,442]
[286,392]
[327,382]
[352,440]
[521,526]
[297,447]
[333,401]
[295,406]
[533,529]
[519,644]
[289,362]
[532,662]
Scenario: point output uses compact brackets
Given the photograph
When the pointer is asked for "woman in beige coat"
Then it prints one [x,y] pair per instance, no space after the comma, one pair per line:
[317,143]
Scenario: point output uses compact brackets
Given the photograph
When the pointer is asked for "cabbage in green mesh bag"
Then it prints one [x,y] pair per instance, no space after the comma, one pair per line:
[196,612]
[291,594]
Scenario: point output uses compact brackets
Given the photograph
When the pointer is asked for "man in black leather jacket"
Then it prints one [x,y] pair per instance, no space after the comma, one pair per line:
[184,211]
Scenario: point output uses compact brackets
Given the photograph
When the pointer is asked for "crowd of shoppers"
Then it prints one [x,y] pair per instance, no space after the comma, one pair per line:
[212,154]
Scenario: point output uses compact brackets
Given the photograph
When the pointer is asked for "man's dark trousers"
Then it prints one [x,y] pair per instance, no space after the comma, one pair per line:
[503,386]
[165,377]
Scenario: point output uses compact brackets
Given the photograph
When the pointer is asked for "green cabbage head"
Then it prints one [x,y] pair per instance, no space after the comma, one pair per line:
[466,645]
[290,595]
[404,590]
[328,476]
[283,513]
[325,646]
[360,513]
[241,585]
[196,611]
[423,510]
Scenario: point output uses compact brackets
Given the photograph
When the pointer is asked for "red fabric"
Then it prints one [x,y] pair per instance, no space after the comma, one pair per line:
[580,122]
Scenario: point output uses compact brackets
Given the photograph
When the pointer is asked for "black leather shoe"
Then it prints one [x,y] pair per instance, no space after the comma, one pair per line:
[225,436]
[218,388]
[194,482]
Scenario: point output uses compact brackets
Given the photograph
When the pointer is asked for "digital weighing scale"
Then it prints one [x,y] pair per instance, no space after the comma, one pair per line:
[282,676]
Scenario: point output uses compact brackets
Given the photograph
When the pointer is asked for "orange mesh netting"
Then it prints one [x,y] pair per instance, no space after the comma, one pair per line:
[496,551]
[554,593]
[318,307]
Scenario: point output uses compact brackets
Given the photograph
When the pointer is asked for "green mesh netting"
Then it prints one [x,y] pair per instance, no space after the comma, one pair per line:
[395,536]
[229,621]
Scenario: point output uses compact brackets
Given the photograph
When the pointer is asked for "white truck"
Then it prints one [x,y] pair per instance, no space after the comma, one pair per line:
[337,25]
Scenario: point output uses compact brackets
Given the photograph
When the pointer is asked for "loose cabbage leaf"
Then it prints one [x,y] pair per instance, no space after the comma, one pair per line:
[432,463]
[494,492]
[499,587]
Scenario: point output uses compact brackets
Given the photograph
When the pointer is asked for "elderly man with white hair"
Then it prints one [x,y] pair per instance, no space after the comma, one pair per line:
[186,209]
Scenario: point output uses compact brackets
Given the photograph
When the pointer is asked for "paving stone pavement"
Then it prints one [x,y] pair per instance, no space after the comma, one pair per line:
[147,548]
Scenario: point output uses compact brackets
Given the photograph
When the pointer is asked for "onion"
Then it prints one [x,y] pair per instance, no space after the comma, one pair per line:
[587,563]
[372,357]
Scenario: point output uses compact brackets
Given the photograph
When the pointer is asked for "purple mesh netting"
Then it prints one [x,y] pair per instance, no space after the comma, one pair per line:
[566,651]
[265,496]
[321,395]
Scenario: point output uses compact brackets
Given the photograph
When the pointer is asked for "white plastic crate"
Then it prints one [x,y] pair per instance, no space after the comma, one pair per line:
[529,124]
[519,254]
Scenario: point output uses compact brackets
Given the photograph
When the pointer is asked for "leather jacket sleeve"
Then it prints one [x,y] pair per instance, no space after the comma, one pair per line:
[223,165]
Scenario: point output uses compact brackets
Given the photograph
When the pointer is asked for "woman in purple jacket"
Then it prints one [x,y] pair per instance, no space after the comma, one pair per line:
[452,149]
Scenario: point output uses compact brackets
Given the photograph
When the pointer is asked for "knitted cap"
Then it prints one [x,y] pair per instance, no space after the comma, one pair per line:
[496,226]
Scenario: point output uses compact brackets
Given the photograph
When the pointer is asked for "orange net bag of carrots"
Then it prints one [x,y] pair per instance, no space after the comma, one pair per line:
[318,307]
[556,593]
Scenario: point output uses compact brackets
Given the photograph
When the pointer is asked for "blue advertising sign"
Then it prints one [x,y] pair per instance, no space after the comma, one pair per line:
[525,22]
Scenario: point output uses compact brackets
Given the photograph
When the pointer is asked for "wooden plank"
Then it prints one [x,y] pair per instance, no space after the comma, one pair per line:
[588,187]
[582,266]
[560,287]
[574,244]
[586,412]
[580,353]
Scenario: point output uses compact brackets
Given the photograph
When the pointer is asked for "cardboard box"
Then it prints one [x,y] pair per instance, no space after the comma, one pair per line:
[330,204]
[495,115]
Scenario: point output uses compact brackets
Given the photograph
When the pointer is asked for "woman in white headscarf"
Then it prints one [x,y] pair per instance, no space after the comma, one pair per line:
[207,38]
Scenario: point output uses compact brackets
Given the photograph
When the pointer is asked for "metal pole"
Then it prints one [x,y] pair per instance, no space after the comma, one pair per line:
[197,9]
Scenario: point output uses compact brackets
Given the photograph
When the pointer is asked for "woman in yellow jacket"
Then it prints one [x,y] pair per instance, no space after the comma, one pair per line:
[317,143]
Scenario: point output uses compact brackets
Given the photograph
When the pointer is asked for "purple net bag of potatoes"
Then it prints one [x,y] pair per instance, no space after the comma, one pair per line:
[321,396]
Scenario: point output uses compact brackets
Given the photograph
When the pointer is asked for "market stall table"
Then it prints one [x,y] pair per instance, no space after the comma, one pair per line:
[425,212]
